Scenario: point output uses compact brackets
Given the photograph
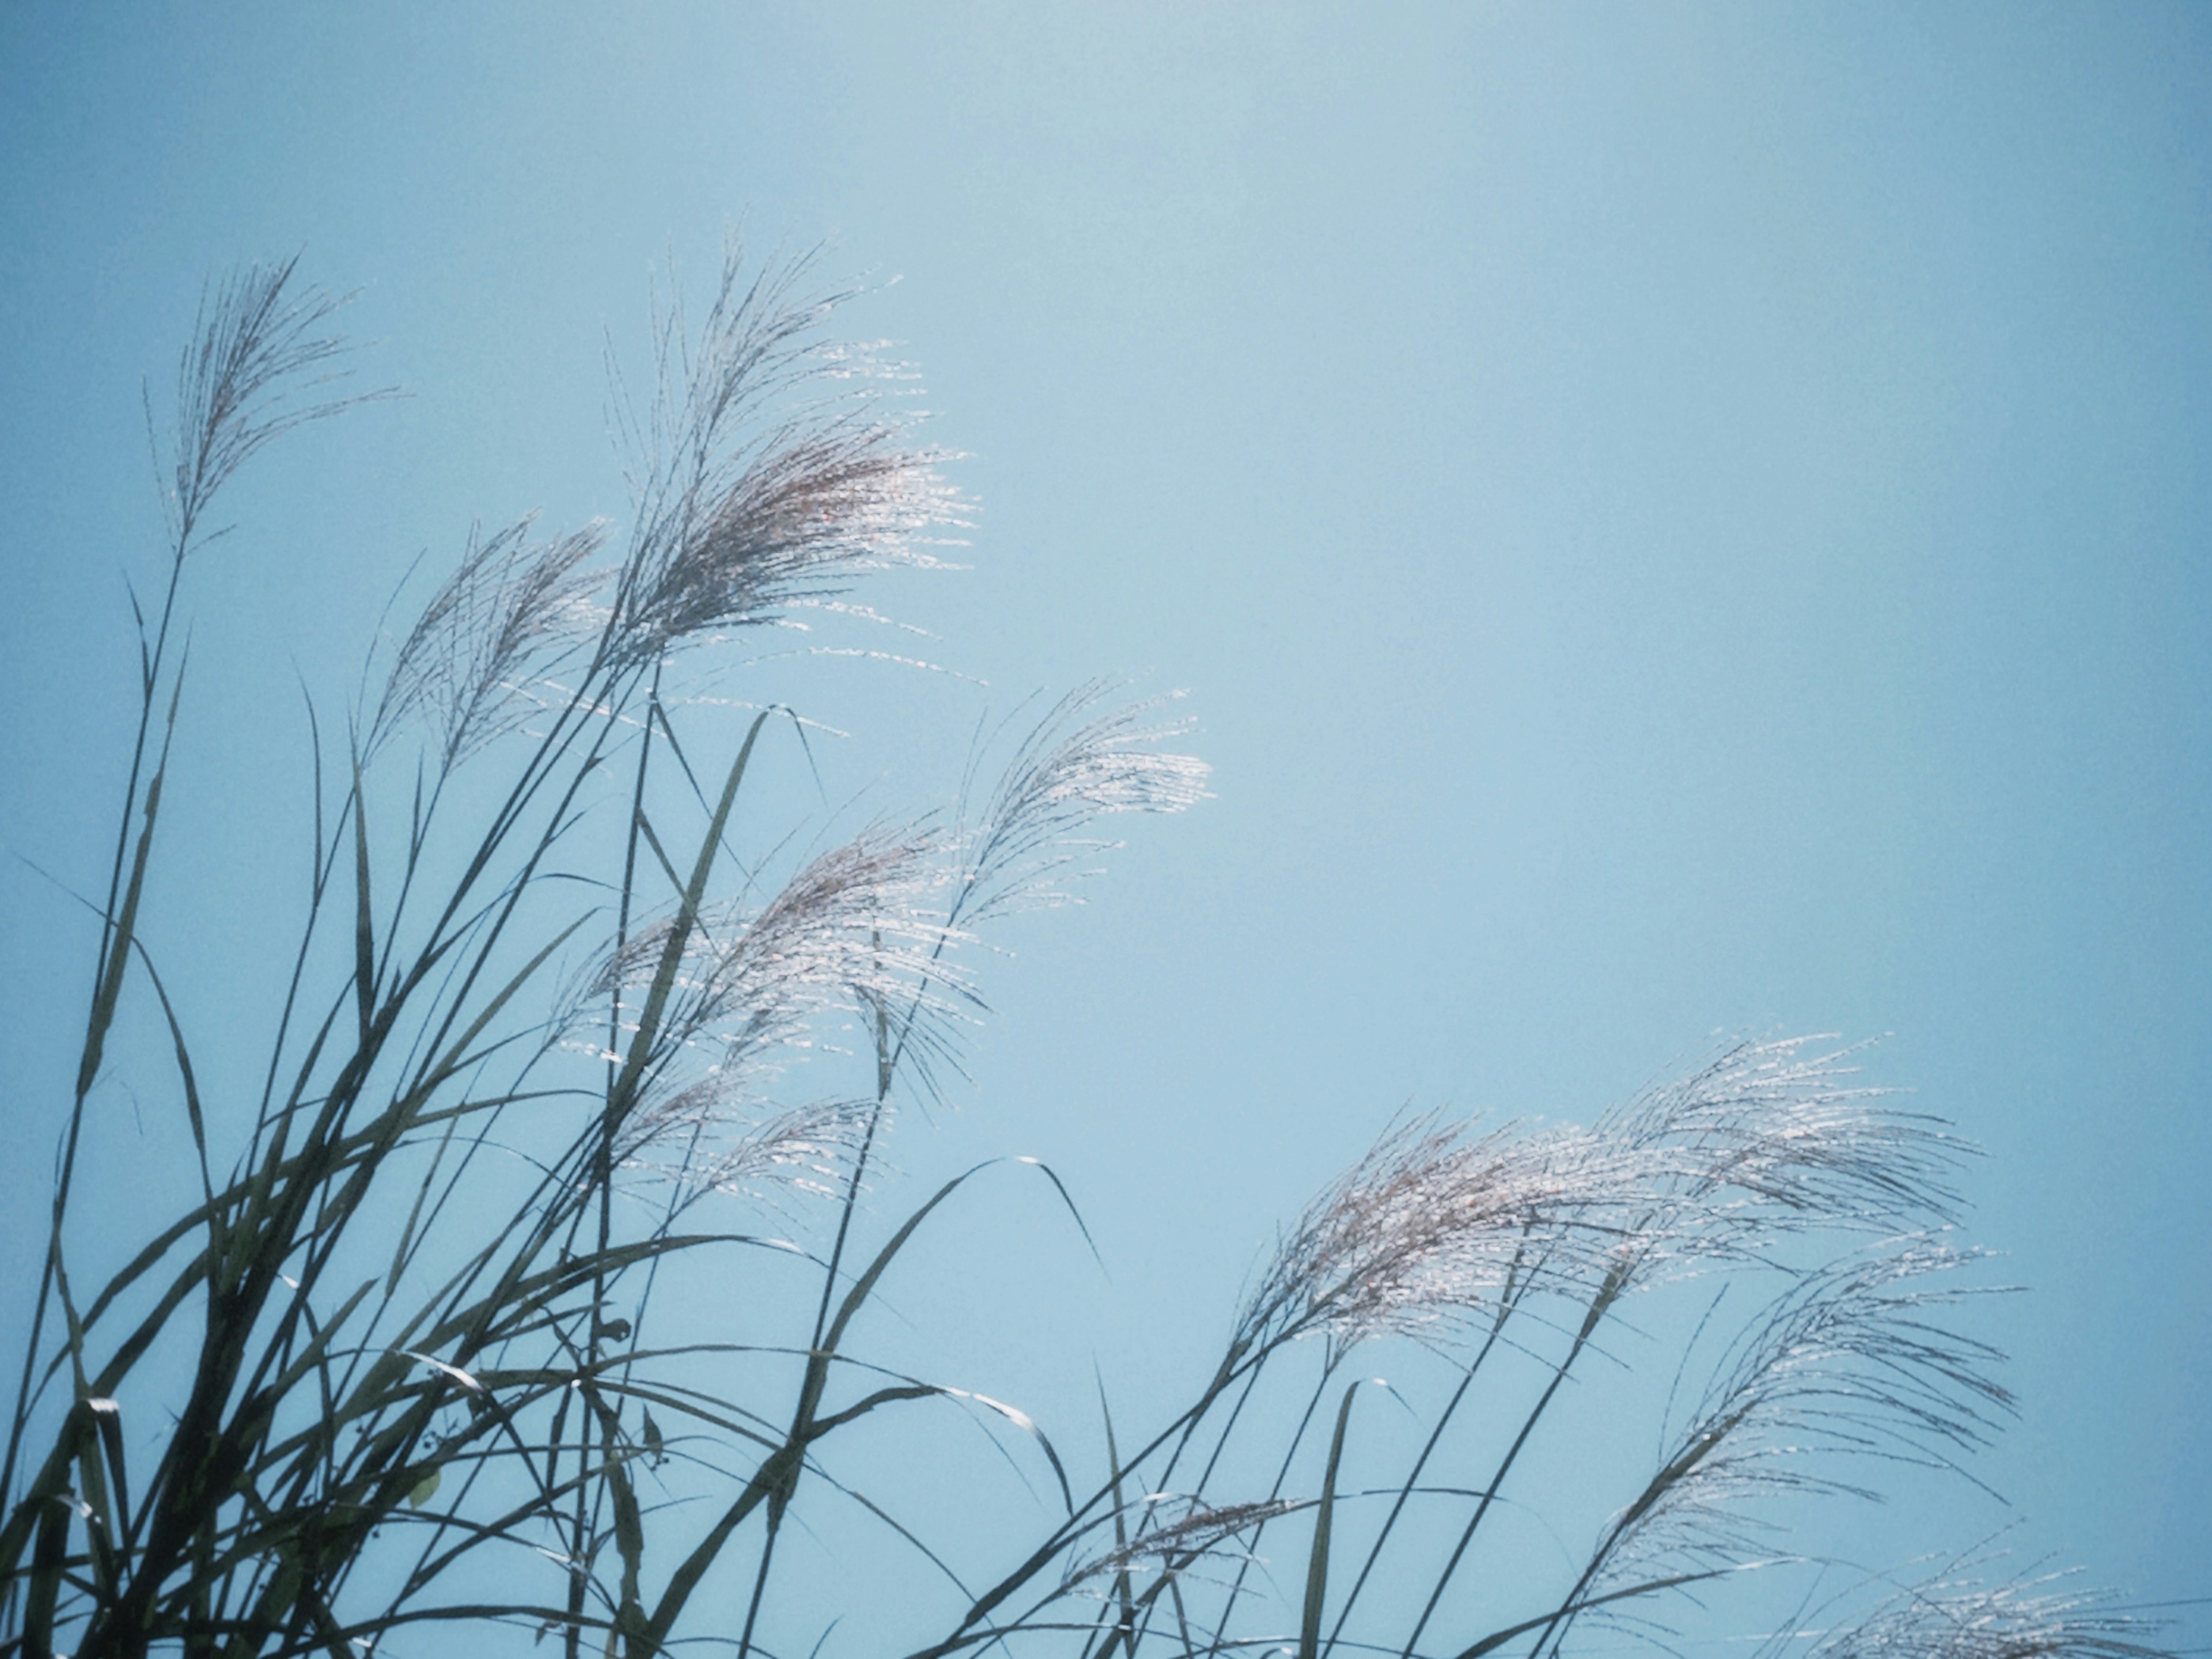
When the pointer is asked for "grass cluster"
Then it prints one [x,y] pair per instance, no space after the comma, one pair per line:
[402,1368]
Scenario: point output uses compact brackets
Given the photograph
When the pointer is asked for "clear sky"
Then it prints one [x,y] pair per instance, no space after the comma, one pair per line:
[1674,521]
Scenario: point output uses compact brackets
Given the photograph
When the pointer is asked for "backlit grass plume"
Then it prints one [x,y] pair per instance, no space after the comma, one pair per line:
[775,470]
[475,663]
[1085,760]
[529,1297]
[1967,1610]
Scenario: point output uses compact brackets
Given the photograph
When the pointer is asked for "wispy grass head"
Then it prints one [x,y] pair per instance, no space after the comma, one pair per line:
[1964,1614]
[257,361]
[1851,1363]
[1434,1227]
[1176,1533]
[1764,1138]
[710,1136]
[776,471]
[513,611]
[1076,766]
[853,928]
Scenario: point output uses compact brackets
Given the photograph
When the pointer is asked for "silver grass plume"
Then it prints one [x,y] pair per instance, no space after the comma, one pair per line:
[1201,1532]
[1068,772]
[752,498]
[851,928]
[513,611]
[1852,1362]
[1762,1138]
[246,380]
[1432,1229]
[1961,1615]
[702,1139]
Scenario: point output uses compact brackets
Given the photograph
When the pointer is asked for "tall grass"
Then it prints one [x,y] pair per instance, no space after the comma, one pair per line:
[408,1362]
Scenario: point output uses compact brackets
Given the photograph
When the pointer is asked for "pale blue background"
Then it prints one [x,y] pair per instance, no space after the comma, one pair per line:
[1674,521]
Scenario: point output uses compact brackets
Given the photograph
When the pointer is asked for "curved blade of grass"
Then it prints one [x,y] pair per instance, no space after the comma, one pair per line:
[1028,1425]
[1317,1563]
[107,1418]
[415,1210]
[101,1532]
[629,1531]
[1121,1589]
[777,1476]
[185,1076]
[457,1056]
[651,840]
[804,1426]
[1014,1414]
[1081,1226]
[126,918]
[671,955]
[866,1284]
[1498,1638]
[364,921]
[898,1527]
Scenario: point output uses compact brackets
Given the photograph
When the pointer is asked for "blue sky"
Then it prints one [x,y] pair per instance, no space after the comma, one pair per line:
[1672,521]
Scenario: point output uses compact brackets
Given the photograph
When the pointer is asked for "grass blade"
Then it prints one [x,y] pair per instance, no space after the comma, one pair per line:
[1317,1564]
[126,920]
[364,918]
[671,955]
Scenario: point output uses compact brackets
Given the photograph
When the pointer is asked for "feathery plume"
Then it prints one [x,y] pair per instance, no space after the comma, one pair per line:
[1850,1362]
[1063,777]
[1960,1614]
[1200,1532]
[850,928]
[243,379]
[744,509]
[508,616]
[1763,1136]
[699,1139]
[1431,1228]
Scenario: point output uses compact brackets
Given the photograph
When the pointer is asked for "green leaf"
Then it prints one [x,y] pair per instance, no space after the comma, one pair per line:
[415,1213]
[1317,1564]
[452,1060]
[629,1535]
[364,925]
[425,1489]
[1121,1588]
[125,920]
[671,955]
[190,1085]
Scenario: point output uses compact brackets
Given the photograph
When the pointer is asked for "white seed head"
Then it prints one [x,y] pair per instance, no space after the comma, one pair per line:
[754,498]
[476,660]
[1066,773]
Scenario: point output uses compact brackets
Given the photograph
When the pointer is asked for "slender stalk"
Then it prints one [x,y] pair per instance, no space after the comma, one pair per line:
[1597,1312]
[1505,1309]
